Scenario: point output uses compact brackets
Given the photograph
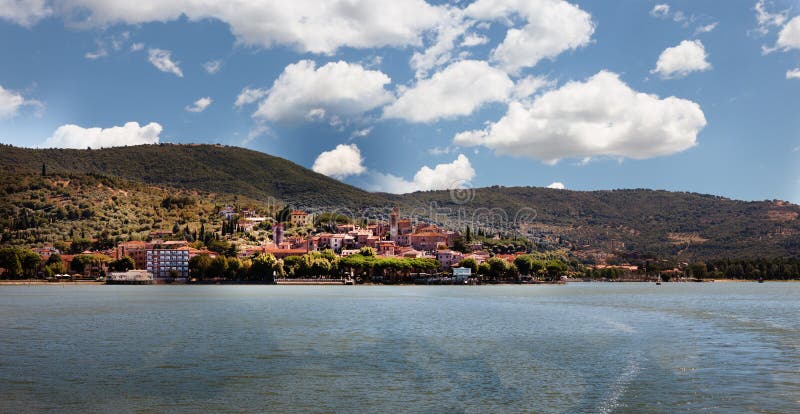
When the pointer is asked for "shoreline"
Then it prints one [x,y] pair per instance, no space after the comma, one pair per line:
[38,282]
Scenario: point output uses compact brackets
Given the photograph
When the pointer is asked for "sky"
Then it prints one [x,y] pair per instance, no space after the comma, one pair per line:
[407,95]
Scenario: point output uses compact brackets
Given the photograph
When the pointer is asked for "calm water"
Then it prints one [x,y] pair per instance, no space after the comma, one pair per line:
[720,347]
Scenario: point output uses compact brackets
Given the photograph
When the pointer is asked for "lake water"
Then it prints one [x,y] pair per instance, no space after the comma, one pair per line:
[713,347]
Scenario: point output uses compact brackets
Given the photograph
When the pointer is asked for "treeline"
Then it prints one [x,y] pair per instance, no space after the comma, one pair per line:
[749,269]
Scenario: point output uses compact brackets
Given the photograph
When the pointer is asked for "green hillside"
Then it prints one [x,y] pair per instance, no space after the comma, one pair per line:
[212,168]
[626,222]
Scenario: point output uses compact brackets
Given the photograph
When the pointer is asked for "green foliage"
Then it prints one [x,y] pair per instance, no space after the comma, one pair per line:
[470,263]
[123,264]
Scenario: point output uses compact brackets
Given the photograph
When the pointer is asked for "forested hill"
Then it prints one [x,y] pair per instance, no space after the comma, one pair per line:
[635,222]
[212,168]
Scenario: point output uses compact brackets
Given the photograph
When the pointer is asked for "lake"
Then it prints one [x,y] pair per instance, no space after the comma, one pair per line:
[583,347]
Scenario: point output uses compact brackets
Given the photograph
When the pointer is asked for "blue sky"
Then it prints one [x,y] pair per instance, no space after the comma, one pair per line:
[700,96]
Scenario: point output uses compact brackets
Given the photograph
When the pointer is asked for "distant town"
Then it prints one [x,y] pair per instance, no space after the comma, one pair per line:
[308,248]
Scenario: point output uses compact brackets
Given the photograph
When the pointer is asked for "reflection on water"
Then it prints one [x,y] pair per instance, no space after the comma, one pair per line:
[577,348]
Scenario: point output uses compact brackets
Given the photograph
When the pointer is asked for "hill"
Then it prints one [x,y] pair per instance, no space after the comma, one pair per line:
[631,223]
[212,168]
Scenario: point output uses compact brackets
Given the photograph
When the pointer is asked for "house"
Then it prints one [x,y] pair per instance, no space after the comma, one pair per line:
[299,218]
[136,250]
[386,248]
[227,212]
[448,258]
[427,241]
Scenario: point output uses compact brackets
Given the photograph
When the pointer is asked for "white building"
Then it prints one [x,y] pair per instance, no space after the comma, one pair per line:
[162,262]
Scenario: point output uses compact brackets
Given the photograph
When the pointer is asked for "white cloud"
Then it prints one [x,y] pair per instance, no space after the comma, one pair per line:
[212,66]
[361,133]
[457,90]
[601,116]
[250,95]
[474,39]
[135,47]
[767,20]
[338,89]
[199,105]
[162,60]
[706,29]
[678,61]
[660,11]
[456,174]
[793,74]
[340,162]
[11,102]
[551,28]
[74,136]
[529,85]
[439,53]
[557,186]
[307,25]
[789,36]
[24,12]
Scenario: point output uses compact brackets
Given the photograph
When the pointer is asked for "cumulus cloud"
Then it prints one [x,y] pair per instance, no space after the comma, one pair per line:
[337,89]
[601,116]
[24,12]
[162,60]
[557,186]
[678,61]
[213,66]
[793,73]
[456,174]
[74,136]
[340,162]
[529,85]
[457,90]
[250,95]
[307,25]
[199,105]
[789,36]
[11,102]
[551,28]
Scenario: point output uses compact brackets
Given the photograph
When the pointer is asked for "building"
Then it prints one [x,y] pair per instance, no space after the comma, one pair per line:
[448,258]
[427,241]
[299,218]
[394,217]
[131,277]
[165,264]
[136,250]
[277,234]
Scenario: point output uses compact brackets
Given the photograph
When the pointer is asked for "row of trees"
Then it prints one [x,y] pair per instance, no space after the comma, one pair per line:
[524,265]
[261,268]
[751,269]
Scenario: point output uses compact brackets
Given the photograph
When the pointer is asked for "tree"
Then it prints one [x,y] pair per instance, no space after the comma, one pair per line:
[218,267]
[199,266]
[524,264]
[44,170]
[264,267]
[470,263]
[367,251]
[9,260]
[123,264]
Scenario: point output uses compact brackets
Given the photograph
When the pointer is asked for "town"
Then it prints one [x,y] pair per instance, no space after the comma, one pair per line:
[302,248]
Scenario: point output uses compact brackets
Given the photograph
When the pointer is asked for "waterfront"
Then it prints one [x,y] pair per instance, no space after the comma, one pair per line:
[732,347]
